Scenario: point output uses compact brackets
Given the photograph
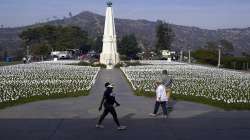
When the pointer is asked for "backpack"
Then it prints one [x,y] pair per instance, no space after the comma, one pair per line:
[168,92]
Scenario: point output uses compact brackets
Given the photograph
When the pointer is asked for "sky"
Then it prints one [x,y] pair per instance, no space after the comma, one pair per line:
[209,14]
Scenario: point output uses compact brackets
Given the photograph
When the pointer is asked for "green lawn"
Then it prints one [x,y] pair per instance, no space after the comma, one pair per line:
[10,63]
[220,104]
[40,98]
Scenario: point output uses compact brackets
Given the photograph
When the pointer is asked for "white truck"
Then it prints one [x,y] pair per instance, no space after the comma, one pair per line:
[61,54]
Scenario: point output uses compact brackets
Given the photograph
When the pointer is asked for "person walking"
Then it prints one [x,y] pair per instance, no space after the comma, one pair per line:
[24,60]
[161,99]
[108,102]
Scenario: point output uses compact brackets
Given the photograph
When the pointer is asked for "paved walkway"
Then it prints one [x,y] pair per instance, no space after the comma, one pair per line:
[75,118]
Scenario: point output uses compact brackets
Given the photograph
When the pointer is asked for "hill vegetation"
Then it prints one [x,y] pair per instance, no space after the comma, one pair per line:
[144,31]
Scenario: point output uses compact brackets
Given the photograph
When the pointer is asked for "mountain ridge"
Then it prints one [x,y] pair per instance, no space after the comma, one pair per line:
[143,29]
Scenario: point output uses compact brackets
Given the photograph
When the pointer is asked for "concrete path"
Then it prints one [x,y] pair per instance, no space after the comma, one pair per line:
[75,118]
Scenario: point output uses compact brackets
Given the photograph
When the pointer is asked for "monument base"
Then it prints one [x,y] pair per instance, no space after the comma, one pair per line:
[110,67]
[110,60]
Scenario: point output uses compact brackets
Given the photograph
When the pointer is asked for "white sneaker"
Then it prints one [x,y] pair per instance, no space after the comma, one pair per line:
[165,116]
[152,114]
[122,127]
[99,126]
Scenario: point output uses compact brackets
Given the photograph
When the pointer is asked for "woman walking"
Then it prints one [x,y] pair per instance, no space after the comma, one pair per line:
[161,99]
[108,102]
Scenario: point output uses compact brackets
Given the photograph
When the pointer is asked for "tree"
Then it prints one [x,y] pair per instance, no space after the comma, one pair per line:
[47,38]
[209,54]
[97,46]
[129,47]
[85,48]
[246,55]
[205,56]
[5,54]
[211,46]
[165,36]
[227,47]
[71,38]
[40,49]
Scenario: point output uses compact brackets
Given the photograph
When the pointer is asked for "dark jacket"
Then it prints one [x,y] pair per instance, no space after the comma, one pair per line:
[109,98]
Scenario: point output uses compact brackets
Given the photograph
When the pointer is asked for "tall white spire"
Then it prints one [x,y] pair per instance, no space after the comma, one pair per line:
[109,55]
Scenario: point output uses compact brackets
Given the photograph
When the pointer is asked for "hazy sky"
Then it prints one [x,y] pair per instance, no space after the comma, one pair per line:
[211,14]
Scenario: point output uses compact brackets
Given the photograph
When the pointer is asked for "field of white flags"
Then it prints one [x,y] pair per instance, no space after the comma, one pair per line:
[44,79]
[216,84]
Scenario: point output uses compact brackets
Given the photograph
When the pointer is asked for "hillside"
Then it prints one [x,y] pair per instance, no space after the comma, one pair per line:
[143,29]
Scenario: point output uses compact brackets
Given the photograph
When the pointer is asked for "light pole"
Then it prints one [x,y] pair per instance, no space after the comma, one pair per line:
[219,56]
[181,55]
[28,54]
[181,51]
[189,47]
[27,50]
[189,54]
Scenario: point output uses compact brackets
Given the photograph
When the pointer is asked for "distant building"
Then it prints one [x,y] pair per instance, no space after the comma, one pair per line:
[68,54]
[168,55]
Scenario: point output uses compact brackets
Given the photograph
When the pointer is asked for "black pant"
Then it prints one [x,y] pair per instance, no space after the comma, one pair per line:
[107,110]
[163,105]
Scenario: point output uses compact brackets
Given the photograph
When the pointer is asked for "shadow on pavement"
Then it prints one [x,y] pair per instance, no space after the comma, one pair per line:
[197,128]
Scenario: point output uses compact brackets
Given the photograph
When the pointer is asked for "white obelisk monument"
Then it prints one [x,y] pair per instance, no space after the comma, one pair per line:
[109,55]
